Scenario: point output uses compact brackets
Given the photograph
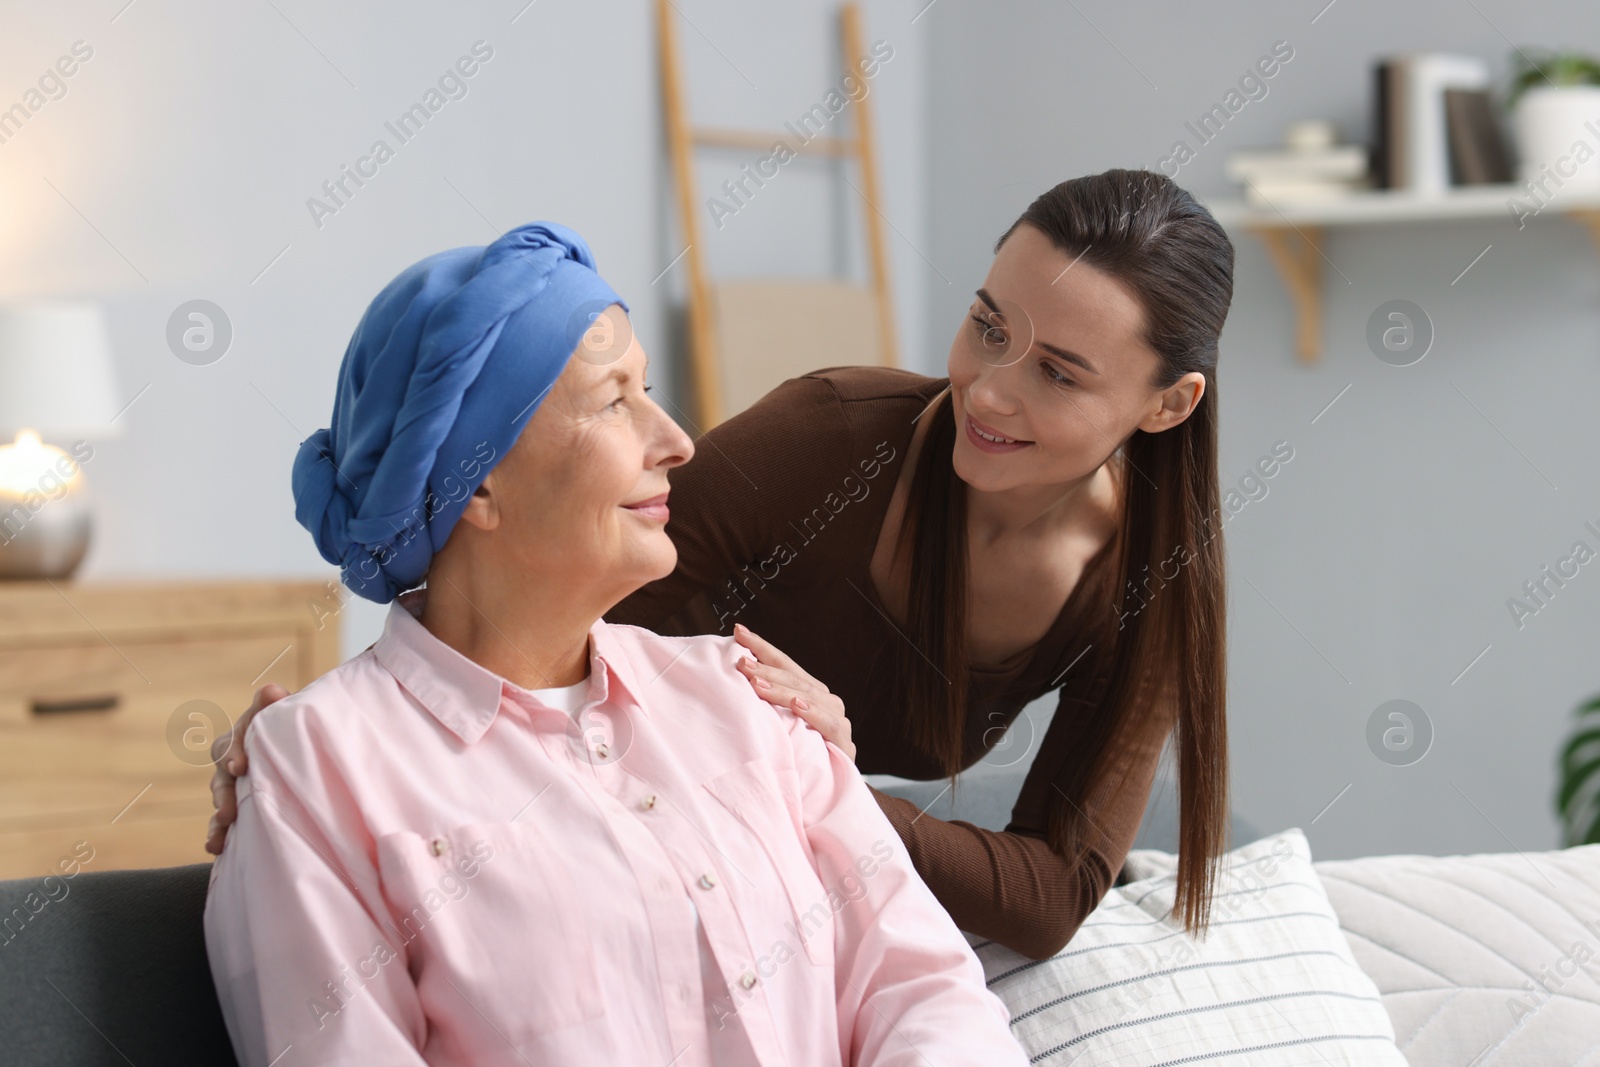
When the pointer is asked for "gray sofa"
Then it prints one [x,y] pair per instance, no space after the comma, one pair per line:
[113,971]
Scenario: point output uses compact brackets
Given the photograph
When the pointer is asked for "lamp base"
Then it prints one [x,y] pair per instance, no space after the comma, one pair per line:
[49,542]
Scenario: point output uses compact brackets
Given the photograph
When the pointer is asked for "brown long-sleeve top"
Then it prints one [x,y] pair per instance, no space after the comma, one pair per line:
[775,519]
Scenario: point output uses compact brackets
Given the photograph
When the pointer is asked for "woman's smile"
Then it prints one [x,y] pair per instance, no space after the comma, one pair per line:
[987,439]
[653,508]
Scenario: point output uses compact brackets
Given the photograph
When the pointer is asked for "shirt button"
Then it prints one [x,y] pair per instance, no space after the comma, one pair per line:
[707,881]
[748,980]
[602,750]
[648,802]
[440,847]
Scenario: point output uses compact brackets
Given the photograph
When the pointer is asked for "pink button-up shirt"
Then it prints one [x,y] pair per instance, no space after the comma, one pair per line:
[431,865]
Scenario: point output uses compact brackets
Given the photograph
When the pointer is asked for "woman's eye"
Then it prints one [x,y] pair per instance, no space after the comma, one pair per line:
[991,332]
[1052,375]
[622,399]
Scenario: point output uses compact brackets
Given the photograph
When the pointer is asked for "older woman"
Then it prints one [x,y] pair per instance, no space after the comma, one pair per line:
[510,832]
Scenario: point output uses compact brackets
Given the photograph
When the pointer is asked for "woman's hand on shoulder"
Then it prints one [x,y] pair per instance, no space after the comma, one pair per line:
[779,680]
[231,762]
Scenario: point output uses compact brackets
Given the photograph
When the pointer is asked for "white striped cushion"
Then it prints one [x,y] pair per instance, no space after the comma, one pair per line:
[1273,982]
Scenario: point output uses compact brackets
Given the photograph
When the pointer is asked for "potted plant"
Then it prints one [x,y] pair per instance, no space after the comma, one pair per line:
[1555,104]
[1578,795]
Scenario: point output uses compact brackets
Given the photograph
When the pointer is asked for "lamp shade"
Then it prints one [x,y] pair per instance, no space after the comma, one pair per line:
[56,375]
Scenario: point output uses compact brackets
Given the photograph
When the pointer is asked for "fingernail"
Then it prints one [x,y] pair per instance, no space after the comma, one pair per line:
[800,702]
[763,683]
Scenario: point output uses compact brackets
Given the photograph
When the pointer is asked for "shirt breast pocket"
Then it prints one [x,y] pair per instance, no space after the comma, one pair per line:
[783,881]
[492,910]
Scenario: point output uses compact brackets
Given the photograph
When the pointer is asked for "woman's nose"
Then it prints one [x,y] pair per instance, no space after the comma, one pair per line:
[676,447]
[991,390]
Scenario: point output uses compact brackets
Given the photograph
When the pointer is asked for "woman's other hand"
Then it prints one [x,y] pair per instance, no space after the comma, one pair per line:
[779,680]
[228,756]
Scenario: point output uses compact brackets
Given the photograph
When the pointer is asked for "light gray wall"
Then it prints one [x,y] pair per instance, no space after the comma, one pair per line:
[179,162]
[1379,564]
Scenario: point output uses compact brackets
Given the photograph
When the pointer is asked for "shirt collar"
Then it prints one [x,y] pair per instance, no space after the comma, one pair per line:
[465,696]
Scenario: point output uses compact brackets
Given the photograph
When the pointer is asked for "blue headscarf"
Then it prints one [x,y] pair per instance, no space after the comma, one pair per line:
[444,370]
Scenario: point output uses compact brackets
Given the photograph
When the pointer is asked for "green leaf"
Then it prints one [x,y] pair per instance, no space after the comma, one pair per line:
[1574,780]
[1569,754]
[1578,788]
[1558,69]
[1592,835]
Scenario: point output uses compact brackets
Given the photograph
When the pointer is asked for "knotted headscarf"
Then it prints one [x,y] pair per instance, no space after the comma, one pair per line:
[445,368]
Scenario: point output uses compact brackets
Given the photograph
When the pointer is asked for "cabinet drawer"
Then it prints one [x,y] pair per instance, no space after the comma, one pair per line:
[96,744]
[91,732]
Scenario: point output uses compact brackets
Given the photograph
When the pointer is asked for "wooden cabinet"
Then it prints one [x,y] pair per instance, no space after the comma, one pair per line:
[110,695]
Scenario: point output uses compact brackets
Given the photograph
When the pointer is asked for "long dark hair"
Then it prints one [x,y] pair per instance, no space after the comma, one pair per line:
[1167,673]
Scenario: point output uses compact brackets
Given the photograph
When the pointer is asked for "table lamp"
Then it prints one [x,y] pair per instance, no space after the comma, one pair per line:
[57,383]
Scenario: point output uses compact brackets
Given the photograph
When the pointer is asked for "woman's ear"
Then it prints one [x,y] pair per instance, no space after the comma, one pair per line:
[1178,401]
[483,506]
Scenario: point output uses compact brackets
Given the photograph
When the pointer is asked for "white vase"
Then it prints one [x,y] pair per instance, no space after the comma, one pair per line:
[1557,131]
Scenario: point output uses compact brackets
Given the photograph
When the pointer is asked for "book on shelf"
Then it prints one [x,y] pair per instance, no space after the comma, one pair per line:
[1277,194]
[1478,153]
[1384,76]
[1310,167]
[1343,162]
[1434,125]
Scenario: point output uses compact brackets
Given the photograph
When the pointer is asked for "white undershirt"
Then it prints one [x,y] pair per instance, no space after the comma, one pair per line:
[566,697]
[728,1043]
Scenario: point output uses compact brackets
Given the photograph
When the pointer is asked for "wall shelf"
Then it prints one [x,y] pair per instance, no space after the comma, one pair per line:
[1293,233]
